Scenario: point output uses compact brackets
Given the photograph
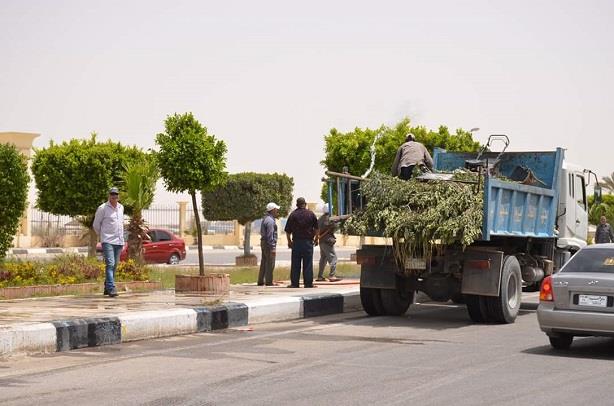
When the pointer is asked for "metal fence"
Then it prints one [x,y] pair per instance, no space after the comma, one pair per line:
[157,216]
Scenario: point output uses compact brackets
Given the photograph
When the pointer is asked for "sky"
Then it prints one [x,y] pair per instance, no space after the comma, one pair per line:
[271,78]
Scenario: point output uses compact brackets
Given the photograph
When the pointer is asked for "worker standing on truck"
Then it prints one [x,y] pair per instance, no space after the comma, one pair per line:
[327,240]
[603,233]
[410,154]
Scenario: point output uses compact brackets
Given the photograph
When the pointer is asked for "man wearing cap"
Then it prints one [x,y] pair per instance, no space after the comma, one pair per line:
[109,225]
[327,240]
[301,229]
[268,245]
[410,154]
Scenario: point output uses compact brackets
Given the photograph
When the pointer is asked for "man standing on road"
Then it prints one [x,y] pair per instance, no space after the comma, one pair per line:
[301,229]
[268,245]
[327,240]
[603,233]
[410,154]
[109,225]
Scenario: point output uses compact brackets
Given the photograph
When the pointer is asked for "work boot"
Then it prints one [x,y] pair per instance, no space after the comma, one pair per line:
[106,292]
[113,293]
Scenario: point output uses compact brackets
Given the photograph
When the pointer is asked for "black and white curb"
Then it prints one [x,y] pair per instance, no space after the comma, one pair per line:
[72,334]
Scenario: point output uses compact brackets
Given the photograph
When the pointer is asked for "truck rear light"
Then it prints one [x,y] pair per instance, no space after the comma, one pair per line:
[545,293]
[482,264]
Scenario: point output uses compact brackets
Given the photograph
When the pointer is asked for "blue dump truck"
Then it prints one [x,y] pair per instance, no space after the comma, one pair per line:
[531,227]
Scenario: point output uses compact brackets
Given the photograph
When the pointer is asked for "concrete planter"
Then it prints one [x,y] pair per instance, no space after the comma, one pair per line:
[210,284]
[246,260]
[22,292]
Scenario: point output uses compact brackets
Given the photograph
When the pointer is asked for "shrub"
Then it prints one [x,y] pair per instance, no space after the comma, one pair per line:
[66,270]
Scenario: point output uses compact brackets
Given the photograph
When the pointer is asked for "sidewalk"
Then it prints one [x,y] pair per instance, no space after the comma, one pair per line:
[51,324]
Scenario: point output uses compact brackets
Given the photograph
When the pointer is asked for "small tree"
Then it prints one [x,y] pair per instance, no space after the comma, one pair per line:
[73,178]
[138,190]
[244,197]
[13,193]
[189,160]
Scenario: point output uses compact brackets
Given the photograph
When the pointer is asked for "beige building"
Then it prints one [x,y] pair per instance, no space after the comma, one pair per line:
[23,142]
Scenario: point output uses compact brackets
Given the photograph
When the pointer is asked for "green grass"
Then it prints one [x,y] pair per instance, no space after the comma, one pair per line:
[238,275]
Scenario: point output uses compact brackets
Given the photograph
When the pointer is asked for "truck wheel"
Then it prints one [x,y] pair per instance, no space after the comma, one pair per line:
[476,307]
[504,308]
[396,302]
[561,341]
[371,301]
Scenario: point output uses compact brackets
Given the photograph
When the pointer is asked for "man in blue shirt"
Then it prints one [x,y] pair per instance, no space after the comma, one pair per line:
[268,245]
[109,225]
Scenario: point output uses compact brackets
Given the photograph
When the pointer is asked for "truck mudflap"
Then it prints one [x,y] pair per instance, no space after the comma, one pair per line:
[482,272]
[380,277]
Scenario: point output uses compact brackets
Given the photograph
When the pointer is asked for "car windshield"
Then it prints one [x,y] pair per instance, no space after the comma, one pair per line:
[591,260]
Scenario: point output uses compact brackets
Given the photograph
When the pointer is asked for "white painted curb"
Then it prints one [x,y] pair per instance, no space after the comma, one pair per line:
[27,338]
[265,310]
[157,323]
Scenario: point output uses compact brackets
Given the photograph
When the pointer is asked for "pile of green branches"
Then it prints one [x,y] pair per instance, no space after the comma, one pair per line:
[419,216]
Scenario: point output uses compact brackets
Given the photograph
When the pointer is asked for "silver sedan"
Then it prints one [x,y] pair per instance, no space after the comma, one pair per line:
[579,299]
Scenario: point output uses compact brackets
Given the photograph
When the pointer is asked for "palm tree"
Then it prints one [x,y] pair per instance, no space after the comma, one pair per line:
[608,182]
[139,187]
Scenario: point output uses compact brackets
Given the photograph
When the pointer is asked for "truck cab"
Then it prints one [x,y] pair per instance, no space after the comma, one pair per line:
[572,219]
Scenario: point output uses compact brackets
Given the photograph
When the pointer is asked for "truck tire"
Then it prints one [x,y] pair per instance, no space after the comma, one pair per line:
[504,308]
[371,301]
[477,309]
[396,302]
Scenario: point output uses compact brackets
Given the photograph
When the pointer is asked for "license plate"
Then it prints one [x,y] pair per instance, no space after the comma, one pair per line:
[415,264]
[593,300]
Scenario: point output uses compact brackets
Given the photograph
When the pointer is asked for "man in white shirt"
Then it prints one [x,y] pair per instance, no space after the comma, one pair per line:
[109,225]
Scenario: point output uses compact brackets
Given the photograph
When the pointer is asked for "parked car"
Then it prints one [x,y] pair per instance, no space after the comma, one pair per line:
[579,299]
[162,247]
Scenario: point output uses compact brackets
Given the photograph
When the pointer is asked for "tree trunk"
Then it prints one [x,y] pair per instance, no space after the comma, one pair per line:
[135,237]
[199,235]
[91,250]
[247,238]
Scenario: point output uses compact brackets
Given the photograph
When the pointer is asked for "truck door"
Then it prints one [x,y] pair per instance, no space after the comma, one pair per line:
[581,207]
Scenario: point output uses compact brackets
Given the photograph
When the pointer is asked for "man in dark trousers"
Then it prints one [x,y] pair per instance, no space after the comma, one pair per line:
[268,245]
[301,229]
[327,240]
[603,233]
[410,154]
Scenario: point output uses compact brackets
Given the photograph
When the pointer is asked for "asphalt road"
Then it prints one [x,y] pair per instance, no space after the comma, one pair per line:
[432,356]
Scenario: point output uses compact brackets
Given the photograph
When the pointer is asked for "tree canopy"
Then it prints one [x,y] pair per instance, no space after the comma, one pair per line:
[73,178]
[245,195]
[189,158]
[14,193]
[605,208]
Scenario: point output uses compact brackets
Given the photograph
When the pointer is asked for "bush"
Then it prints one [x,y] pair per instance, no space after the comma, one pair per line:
[14,193]
[66,270]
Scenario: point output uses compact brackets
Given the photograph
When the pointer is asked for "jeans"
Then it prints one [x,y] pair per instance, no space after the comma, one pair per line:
[302,252]
[111,253]
[267,265]
[327,254]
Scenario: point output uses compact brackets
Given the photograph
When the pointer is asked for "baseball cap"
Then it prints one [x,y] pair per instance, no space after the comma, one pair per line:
[325,208]
[114,190]
[271,206]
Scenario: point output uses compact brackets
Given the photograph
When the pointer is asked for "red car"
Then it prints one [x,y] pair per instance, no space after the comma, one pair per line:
[164,247]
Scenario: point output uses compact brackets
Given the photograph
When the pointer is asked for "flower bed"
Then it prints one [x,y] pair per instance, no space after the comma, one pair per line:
[65,270]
